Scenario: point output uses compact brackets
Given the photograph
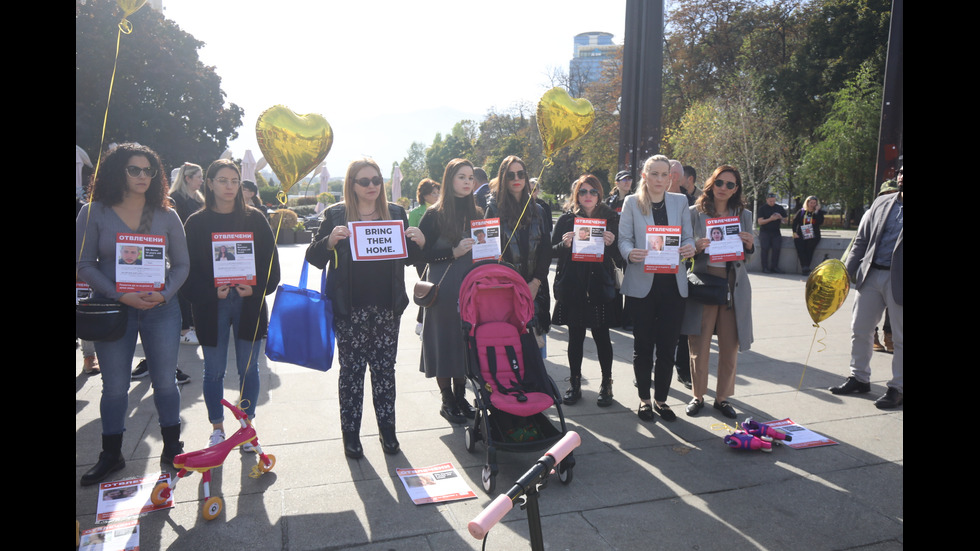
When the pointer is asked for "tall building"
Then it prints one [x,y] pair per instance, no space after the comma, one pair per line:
[591,49]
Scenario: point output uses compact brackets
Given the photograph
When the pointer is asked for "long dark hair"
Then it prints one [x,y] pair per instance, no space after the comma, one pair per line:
[455,216]
[110,187]
[508,207]
[209,198]
[706,202]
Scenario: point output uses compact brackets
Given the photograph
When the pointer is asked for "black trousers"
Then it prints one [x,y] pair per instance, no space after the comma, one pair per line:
[656,324]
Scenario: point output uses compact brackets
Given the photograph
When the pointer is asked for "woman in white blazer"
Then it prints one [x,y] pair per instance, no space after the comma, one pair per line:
[656,299]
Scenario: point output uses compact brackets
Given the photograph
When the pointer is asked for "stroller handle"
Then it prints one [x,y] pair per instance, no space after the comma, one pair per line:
[502,505]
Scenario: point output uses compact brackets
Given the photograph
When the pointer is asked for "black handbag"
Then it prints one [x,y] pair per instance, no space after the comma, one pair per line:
[100,319]
[707,289]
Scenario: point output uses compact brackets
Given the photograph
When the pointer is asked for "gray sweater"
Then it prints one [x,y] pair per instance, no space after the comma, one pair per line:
[96,265]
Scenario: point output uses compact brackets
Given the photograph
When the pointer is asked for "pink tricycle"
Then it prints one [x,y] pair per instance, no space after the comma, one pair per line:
[203,461]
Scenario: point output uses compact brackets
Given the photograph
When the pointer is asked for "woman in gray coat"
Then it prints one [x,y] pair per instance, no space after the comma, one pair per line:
[732,322]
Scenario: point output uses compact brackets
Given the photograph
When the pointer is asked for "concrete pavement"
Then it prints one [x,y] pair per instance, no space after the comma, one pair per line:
[636,485]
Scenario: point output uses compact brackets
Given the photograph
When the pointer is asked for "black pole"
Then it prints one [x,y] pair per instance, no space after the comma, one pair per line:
[891,135]
[642,95]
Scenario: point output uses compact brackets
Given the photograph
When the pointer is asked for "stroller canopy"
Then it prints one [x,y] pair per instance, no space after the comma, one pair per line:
[493,292]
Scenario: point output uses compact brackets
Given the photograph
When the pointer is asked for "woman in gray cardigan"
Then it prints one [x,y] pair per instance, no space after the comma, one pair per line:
[732,322]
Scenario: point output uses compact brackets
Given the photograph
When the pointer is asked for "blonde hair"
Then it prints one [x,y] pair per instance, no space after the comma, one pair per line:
[642,193]
[350,198]
[180,182]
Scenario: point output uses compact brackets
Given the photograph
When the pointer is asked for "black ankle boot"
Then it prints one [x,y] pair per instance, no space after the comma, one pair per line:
[449,409]
[172,446]
[352,445]
[605,394]
[110,460]
[462,404]
[388,441]
[574,392]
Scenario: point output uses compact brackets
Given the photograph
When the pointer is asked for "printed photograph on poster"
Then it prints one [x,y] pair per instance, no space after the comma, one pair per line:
[434,484]
[82,291]
[118,536]
[377,240]
[234,258]
[803,437]
[141,262]
[129,497]
[486,233]
[725,243]
[663,250]
[587,239]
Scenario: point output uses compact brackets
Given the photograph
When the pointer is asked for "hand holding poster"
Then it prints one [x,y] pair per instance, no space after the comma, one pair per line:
[486,233]
[588,244]
[234,258]
[663,249]
[725,242]
[141,262]
[377,240]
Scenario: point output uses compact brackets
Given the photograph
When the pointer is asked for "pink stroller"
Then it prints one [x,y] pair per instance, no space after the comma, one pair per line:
[503,361]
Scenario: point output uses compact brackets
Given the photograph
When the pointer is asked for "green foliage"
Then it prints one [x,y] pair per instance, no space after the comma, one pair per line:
[163,96]
[289,219]
[326,198]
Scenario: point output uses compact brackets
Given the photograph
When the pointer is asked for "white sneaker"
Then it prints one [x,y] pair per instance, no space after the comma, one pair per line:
[217,437]
[189,337]
[248,447]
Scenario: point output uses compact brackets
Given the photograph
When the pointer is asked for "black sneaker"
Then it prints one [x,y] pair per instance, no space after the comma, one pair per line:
[182,378]
[142,370]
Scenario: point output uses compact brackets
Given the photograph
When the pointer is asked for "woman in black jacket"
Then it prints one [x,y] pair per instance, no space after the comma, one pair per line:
[585,291]
[368,300]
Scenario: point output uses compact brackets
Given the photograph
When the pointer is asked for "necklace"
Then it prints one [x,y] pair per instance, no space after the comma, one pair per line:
[368,214]
[662,204]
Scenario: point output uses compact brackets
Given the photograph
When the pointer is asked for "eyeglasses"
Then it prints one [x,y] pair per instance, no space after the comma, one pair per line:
[226,181]
[365,182]
[724,183]
[519,175]
[582,192]
[135,171]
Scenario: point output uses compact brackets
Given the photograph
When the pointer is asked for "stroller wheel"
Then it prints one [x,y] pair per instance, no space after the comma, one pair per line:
[489,479]
[469,438]
[564,473]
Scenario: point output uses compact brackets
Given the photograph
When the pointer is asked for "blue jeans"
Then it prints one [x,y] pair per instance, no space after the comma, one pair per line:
[159,332]
[216,360]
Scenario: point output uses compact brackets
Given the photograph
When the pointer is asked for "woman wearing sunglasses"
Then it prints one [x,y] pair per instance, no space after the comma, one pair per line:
[230,310]
[585,292]
[656,300]
[130,197]
[732,322]
[525,235]
[449,252]
[368,300]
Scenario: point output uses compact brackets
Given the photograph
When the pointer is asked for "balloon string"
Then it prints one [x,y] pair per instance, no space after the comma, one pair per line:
[242,403]
[530,197]
[810,351]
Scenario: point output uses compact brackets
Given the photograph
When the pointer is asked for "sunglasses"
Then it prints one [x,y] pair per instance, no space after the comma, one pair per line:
[582,192]
[519,175]
[135,171]
[724,183]
[366,182]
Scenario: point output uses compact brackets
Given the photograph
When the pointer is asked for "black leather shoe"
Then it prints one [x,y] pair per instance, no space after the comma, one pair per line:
[352,445]
[851,386]
[726,409]
[891,399]
[388,441]
[694,407]
[110,460]
[686,381]
[572,396]
[645,413]
[605,394]
[664,412]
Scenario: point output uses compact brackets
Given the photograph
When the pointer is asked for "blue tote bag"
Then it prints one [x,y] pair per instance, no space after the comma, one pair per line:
[301,325]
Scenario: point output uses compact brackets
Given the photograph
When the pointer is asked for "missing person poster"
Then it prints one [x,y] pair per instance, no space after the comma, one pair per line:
[725,243]
[234,258]
[141,263]
[663,245]
[587,240]
[377,240]
[486,233]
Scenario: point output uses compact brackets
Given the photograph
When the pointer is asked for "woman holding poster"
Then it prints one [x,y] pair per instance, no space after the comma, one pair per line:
[227,291]
[525,234]
[130,206]
[732,322]
[806,231]
[655,293]
[449,252]
[368,300]
[585,292]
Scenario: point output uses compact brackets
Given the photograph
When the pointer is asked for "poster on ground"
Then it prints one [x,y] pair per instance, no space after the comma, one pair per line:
[434,484]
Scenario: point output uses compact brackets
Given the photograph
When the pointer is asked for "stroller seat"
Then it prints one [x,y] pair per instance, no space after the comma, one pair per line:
[502,367]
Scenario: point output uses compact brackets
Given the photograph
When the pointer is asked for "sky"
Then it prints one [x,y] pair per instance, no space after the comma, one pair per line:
[385,73]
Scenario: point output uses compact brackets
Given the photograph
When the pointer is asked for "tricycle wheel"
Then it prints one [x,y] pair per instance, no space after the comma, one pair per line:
[212,508]
[272,463]
[161,492]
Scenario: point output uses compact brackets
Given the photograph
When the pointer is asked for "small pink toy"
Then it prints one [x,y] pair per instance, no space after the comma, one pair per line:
[764,431]
[741,440]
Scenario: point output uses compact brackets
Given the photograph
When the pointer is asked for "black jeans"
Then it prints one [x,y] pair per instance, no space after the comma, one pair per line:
[603,345]
[656,324]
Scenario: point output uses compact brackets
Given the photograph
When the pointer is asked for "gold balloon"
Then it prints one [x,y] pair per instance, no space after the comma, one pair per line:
[293,144]
[562,120]
[826,289]
[129,7]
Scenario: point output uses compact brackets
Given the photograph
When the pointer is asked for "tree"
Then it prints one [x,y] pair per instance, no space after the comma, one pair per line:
[163,96]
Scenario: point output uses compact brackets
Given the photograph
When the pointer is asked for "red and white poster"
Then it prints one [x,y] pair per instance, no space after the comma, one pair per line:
[486,234]
[434,484]
[377,240]
[129,497]
[141,262]
[233,258]
[587,239]
[725,243]
[663,245]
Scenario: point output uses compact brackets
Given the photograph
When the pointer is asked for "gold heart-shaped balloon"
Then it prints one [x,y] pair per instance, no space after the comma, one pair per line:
[293,144]
[826,289]
[562,120]
[129,7]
